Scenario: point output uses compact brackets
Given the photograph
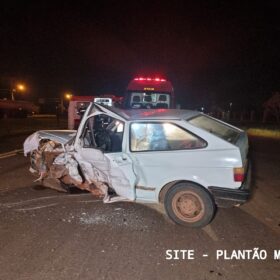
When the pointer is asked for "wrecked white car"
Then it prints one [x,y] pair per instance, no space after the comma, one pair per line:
[184,159]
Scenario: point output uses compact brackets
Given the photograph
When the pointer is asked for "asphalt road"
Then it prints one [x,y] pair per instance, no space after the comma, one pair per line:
[49,235]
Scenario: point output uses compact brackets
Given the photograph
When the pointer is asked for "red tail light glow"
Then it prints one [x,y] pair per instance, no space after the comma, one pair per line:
[238,174]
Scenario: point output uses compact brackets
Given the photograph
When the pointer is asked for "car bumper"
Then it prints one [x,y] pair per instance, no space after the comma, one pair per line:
[225,197]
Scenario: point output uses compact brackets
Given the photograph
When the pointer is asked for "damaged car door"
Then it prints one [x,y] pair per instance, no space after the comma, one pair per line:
[102,158]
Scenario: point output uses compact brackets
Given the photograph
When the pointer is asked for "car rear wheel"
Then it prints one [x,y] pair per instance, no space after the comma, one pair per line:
[189,205]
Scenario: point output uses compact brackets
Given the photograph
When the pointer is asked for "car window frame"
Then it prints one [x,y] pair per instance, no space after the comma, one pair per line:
[97,148]
[218,121]
[169,150]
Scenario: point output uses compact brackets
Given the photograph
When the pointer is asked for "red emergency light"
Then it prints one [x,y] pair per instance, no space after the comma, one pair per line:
[149,79]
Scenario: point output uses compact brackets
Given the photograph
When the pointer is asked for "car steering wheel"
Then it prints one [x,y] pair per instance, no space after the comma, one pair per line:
[103,140]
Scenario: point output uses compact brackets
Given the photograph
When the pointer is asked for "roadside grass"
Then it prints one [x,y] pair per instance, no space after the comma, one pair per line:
[13,127]
[257,129]
[262,132]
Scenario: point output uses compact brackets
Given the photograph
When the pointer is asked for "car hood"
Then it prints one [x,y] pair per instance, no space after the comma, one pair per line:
[60,136]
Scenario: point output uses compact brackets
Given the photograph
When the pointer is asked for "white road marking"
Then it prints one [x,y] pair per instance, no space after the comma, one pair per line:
[11,153]
[12,204]
[29,200]
[35,208]
[79,194]
[89,201]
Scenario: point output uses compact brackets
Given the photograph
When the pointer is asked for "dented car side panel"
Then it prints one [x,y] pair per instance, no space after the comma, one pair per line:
[117,167]
[109,168]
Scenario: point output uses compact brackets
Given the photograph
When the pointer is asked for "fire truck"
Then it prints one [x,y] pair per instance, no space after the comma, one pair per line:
[79,104]
[141,93]
[149,93]
[76,108]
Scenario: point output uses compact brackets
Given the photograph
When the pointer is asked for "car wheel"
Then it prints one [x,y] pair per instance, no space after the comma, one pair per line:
[189,205]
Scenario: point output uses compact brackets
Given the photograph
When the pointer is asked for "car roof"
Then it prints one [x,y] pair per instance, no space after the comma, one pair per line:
[153,114]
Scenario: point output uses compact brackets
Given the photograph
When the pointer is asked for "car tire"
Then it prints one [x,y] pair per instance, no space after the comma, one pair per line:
[189,205]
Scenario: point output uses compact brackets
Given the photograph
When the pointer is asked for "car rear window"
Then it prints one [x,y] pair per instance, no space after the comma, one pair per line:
[216,127]
[162,137]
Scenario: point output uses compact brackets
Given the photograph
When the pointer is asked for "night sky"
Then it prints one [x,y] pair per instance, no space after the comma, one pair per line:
[212,51]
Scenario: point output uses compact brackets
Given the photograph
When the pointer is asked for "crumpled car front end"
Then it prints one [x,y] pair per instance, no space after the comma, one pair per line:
[56,163]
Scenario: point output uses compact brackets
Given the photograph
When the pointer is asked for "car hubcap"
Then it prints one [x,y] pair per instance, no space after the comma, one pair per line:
[188,206]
